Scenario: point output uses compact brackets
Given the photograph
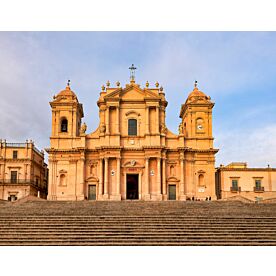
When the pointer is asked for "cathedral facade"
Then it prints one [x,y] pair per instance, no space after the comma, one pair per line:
[132,154]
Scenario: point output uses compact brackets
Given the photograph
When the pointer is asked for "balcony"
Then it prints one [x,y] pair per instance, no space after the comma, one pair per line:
[258,189]
[235,189]
[22,182]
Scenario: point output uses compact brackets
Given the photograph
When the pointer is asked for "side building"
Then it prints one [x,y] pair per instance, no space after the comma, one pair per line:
[251,183]
[23,171]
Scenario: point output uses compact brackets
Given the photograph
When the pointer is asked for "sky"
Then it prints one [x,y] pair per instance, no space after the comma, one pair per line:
[236,69]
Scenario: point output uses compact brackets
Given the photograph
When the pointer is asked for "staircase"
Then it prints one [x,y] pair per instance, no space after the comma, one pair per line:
[137,223]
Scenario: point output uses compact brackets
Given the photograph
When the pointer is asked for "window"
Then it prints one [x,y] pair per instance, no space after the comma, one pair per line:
[258,183]
[235,183]
[64,125]
[14,154]
[132,127]
[13,176]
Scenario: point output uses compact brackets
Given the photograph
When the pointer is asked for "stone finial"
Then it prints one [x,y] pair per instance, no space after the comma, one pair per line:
[108,83]
[161,88]
[103,87]
[118,84]
[68,83]
[157,84]
[147,84]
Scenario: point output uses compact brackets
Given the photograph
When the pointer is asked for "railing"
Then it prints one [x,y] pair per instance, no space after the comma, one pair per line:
[258,189]
[22,182]
[16,145]
[235,189]
[17,181]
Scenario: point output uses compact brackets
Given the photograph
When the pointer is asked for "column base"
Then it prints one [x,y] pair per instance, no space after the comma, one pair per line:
[146,197]
[105,197]
[182,197]
[115,197]
[51,197]
[156,197]
[165,197]
[80,197]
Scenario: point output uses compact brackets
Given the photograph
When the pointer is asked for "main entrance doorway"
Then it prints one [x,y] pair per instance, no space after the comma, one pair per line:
[172,192]
[132,191]
[92,192]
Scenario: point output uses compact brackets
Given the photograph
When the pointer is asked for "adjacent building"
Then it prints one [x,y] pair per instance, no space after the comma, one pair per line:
[132,154]
[251,183]
[22,171]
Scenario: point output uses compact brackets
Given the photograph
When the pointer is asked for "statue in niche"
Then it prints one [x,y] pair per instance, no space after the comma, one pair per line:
[93,170]
[102,128]
[83,128]
[172,171]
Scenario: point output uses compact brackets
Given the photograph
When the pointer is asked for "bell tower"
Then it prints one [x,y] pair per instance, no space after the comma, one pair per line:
[196,124]
[67,113]
[199,154]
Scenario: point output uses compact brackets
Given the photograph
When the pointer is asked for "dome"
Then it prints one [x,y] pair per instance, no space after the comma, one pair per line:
[66,92]
[196,93]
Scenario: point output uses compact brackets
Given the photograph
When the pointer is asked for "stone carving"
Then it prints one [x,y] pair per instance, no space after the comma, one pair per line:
[83,128]
[163,128]
[132,162]
[102,128]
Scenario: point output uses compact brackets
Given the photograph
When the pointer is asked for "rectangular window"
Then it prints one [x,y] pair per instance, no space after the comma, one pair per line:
[13,176]
[14,154]
[258,183]
[132,127]
[235,183]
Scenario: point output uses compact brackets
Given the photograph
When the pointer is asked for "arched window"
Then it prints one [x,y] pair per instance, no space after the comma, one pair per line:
[64,125]
[201,180]
[62,180]
[132,127]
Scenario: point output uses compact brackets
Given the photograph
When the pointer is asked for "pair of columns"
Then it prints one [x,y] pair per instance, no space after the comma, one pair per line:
[103,183]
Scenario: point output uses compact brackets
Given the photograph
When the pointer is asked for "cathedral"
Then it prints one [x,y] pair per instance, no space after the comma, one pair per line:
[132,155]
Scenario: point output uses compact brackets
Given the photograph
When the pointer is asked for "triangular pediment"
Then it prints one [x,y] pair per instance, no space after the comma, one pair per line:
[132,92]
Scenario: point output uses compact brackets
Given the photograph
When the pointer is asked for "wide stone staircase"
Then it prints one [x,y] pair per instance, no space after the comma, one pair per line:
[37,222]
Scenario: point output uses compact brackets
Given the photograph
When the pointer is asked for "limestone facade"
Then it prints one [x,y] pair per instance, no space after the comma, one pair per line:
[251,183]
[22,171]
[132,154]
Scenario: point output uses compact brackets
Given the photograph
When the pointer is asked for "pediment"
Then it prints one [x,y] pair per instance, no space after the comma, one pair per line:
[133,92]
[92,179]
[172,179]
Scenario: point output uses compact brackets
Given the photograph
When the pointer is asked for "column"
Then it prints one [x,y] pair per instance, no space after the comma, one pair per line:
[107,120]
[106,176]
[118,120]
[147,120]
[157,120]
[101,177]
[118,190]
[147,192]
[80,191]
[164,175]
[181,188]
[158,176]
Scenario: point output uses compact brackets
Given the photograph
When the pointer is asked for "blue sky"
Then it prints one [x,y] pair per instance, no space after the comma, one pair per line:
[237,69]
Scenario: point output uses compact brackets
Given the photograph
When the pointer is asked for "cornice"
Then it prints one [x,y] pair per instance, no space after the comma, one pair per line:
[246,169]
